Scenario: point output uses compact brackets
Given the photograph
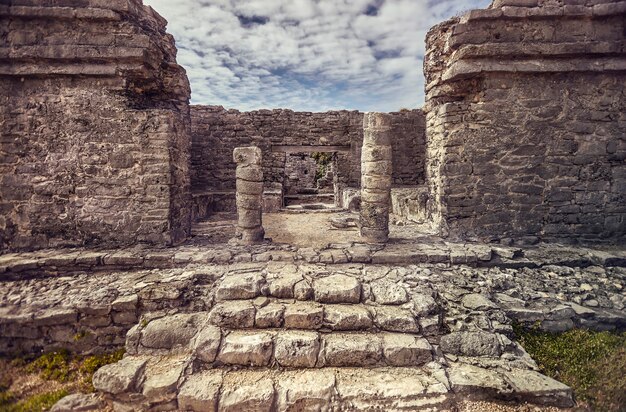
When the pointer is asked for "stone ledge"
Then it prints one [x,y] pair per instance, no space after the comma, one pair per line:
[61,13]
[50,262]
[528,9]
[467,68]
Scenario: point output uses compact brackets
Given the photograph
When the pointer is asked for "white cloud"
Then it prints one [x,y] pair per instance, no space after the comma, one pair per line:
[306,54]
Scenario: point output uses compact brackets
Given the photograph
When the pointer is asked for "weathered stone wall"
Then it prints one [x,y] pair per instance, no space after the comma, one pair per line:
[217,131]
[526,121]
[94,126]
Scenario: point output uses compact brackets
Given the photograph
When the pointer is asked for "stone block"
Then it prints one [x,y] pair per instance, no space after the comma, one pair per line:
[238,396]
[337,289]
[297,349]
[306,391]
[395,319]
[200,392]
[406,350]
[303,315]
[171,331]
[239,286]
[247,156]
[246,349]
[347,317]
[233,314]
[206,343]
[342,349]
[119,377]
[388,293]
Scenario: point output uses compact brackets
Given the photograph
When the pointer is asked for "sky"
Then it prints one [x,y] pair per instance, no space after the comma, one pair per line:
[306,55]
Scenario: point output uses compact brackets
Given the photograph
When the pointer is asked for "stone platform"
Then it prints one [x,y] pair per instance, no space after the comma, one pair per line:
[350,326]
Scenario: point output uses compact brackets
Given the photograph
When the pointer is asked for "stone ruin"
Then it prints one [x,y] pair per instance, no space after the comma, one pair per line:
[514,169]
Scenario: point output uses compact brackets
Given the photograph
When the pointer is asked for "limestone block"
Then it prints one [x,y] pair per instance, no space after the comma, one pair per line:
[395,319]
[477,343]
[249,218]
[249,173]
[249,188]
[257,396]
[161,382]
[78,402]
[406,350]
[347,317]
[469,379]
[531,386]
[247,156]
[342,349]
[388,293]
[282,286]
[233,314]
[476,301]
[270,316]
[297,349]
[240,286]
[206,343]
[200,392]
[337,289]
[306,391]
[171,331]
[302,290]
[119,377]
[250,202]
[304,315]
[381,168]
[246,349]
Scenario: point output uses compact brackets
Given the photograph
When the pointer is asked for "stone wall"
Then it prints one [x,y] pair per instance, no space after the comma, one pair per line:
[526,121]
[217,131]
[94,129]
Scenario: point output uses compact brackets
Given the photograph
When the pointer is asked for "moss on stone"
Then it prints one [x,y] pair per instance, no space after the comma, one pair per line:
[592,363]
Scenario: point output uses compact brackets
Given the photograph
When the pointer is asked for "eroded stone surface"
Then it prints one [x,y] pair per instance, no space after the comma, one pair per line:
[337,289]
[297,349]
[119,377]
[246,349]
[200,392]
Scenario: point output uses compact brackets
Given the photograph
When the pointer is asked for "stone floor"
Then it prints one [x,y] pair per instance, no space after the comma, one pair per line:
[413,324]
[305,229]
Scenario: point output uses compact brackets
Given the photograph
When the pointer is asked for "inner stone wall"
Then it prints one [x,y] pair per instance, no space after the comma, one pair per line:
[526,121]
[217,131]
[94,126]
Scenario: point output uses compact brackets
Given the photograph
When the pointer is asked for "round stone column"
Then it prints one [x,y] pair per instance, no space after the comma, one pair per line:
[249,194]
[376,170]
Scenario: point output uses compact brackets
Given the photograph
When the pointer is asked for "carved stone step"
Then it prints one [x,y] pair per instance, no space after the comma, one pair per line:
[165,383]
[211,345]
[273,313]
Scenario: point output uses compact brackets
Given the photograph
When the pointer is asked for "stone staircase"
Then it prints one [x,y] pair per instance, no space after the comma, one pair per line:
[316,340]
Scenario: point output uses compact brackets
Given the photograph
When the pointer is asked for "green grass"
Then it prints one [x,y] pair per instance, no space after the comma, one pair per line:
[593,364]
[35,403]
[71,370]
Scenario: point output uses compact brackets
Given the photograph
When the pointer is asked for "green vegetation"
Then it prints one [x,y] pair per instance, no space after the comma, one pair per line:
[73,371]
[323,161]
[52,366]
[35,403]
[592,363]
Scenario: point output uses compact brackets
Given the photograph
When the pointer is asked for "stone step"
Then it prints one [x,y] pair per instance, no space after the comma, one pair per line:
[306,349]
[263,313]
[208,344]
[170,383]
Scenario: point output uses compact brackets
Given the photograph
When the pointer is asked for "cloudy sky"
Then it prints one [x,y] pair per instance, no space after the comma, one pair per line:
[311,55]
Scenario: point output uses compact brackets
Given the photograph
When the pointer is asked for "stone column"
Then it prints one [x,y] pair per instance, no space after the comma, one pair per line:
[249,194]
[376,171]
